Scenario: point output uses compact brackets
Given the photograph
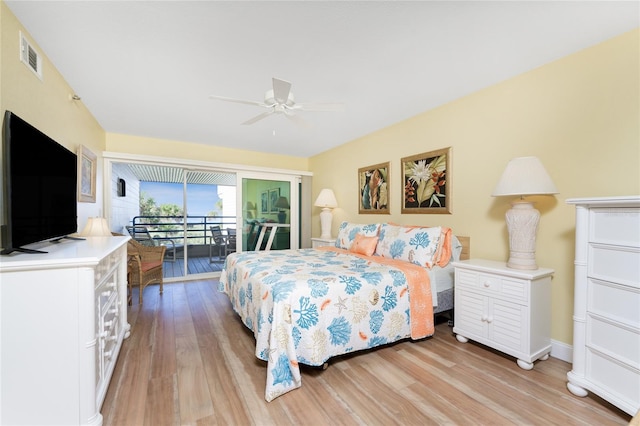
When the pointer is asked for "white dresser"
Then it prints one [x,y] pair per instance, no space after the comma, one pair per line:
[606,317]
[503,308]
[63,316]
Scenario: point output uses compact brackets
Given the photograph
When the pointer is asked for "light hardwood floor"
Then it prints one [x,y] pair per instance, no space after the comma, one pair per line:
[190,361]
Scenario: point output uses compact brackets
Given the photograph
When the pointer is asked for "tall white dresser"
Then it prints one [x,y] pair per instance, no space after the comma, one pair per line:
[606,318]
[63,317]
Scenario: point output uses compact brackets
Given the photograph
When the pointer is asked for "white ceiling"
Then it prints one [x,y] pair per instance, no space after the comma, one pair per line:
[147,68]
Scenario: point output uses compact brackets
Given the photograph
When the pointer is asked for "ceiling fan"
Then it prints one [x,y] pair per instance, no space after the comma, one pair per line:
[280,100]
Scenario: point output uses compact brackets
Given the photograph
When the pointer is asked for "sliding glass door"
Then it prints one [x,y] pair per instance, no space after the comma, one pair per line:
[177,207]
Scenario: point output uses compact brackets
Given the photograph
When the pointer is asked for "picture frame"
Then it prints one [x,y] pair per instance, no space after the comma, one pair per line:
[274,194]
[264,202]
[373,185]
[87,169]
[426,182]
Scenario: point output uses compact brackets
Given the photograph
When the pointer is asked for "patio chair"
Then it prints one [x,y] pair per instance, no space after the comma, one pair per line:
[142,235]
[230,247]
[218,242]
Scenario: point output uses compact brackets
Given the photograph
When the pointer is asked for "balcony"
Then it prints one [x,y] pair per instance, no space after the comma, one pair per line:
[169,231]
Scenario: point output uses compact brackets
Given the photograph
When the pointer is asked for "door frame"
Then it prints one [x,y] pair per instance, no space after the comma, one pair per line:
[109,187]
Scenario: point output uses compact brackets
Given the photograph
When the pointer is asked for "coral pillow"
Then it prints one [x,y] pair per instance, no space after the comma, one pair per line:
[364,245]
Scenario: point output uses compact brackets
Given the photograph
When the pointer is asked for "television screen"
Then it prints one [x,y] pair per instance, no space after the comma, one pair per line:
[40,186]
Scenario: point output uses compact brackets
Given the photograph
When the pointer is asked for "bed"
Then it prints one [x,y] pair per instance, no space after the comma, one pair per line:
[381,283]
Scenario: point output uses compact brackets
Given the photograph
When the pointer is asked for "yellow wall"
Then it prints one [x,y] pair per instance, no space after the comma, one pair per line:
[192,151]
[46,103]
[580,115]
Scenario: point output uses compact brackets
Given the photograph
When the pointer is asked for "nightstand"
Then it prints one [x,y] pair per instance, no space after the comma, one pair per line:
[319,242]
[503,308]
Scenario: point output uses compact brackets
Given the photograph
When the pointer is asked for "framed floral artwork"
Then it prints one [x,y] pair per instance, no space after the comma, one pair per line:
[426,182]
[374,189]
[87,165]
[264,202]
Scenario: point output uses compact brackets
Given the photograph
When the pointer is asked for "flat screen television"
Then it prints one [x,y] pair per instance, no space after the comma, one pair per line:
[40,187]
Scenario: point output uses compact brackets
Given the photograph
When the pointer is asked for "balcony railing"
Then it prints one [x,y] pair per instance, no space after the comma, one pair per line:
[197,239]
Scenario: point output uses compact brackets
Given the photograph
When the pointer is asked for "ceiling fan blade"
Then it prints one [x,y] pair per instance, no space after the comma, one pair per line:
[239,101]
[319,106]
[297,119]
[281,90]
[259,117]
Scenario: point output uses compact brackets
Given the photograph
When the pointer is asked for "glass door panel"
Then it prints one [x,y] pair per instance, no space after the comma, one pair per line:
[268,202]
[210,206]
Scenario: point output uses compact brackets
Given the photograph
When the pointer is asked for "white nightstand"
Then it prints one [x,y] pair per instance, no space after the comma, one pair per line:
[506,309]
[319,242]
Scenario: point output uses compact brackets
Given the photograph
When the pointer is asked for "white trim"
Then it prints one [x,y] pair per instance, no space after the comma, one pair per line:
[562,351]
[183,163]
[108,158]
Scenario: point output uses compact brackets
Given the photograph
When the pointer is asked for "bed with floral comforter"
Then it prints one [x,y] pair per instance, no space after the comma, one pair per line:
[309,305]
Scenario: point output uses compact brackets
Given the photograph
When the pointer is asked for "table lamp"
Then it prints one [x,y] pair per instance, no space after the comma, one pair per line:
[96,227]
[523,176]
[327,201]
[282,204]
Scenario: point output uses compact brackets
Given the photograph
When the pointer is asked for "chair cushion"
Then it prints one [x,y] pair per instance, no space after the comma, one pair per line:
[147,266]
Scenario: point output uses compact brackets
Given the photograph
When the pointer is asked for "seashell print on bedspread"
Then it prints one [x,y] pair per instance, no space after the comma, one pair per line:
[308,305]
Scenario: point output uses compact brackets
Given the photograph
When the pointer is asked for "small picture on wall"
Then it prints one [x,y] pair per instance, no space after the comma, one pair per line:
[374,189]
[274,194]
[87,165]
[264,202]
[426,182]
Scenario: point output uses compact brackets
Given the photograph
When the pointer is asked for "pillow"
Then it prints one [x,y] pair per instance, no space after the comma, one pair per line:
[348,231]
[364,245]
[412,244]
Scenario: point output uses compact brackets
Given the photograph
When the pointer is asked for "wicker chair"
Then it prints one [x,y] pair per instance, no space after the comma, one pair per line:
[145,265]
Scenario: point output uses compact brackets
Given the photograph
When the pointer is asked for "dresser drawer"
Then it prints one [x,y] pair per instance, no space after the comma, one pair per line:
[617,226]
[615,302]
[622,343]
[614,378]
[615,264]
[107,265]
[511,289]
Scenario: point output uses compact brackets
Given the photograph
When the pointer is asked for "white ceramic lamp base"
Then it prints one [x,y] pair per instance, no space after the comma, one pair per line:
[325,223]
[522,223]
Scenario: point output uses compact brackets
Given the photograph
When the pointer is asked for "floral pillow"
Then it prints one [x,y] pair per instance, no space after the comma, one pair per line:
[348,231]
[409,243]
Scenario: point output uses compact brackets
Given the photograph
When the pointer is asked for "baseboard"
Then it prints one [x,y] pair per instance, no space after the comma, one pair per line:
[562,351]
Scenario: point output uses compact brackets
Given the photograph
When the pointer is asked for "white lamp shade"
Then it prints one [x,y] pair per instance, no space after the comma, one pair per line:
[96,227]
[326,199]
[524,176]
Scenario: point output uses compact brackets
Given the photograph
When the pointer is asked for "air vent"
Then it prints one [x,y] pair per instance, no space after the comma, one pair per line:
[30,56]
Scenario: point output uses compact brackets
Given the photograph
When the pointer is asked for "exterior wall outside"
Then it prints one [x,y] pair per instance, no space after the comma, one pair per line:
[123,208]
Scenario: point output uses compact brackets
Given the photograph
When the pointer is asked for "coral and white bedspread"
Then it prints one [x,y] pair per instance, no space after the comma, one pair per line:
[308,305]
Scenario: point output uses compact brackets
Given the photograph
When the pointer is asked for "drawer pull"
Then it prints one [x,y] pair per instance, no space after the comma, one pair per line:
[487,284]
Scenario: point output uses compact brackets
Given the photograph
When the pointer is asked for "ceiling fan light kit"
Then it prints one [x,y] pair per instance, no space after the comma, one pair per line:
[280,100]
